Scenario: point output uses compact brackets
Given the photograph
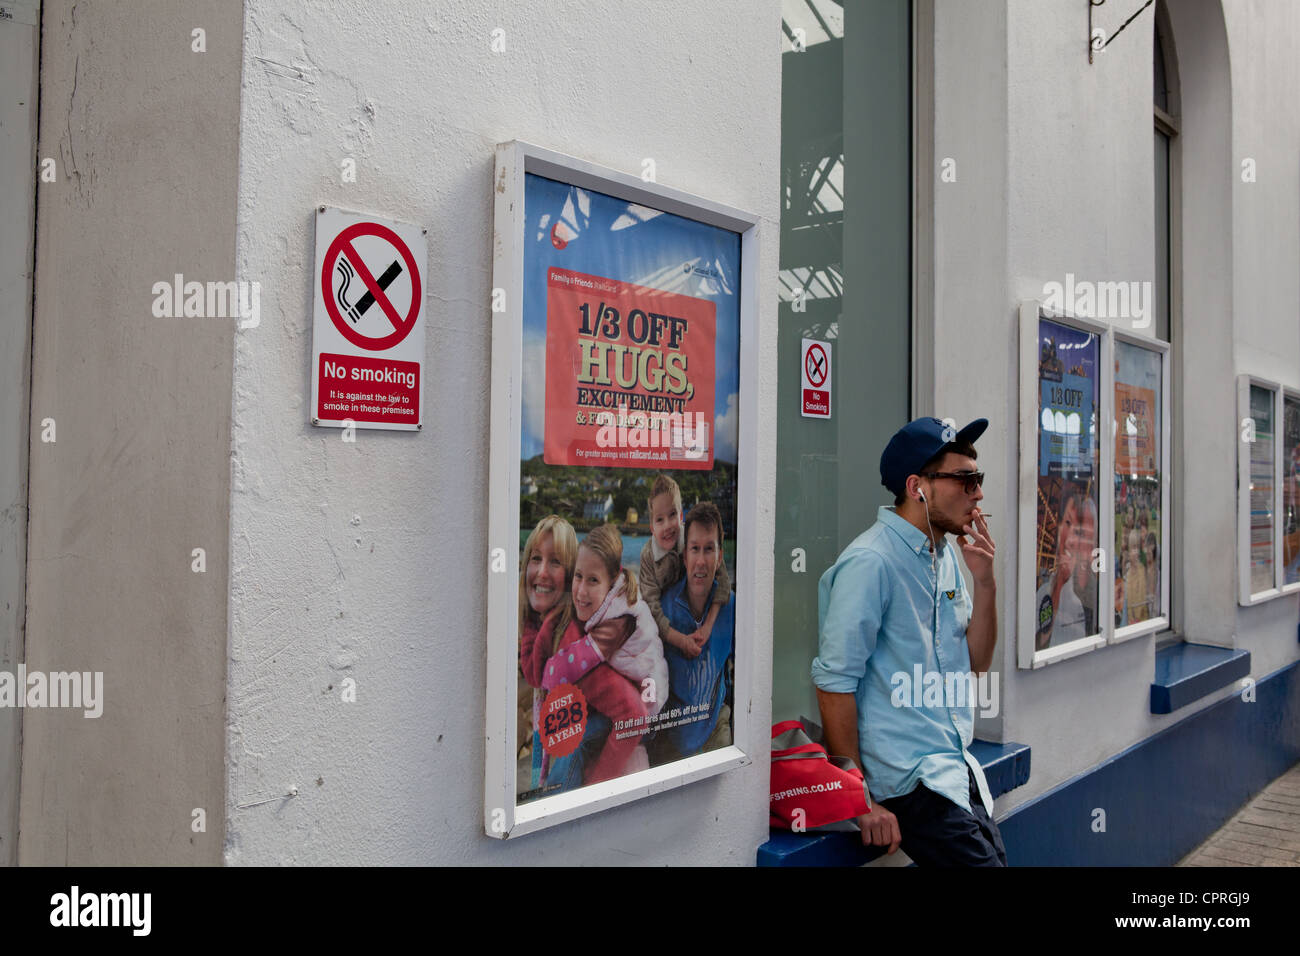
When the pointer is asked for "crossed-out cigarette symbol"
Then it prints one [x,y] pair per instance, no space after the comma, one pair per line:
[815,365]
[354,312]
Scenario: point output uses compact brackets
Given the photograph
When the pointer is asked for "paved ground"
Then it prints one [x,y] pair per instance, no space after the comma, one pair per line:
[1265,832]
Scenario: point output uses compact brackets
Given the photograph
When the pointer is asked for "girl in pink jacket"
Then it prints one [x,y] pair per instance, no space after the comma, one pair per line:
[629,685]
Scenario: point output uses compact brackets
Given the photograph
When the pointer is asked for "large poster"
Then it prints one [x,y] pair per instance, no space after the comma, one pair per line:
[1066,601]
[1138,517]
[631,363]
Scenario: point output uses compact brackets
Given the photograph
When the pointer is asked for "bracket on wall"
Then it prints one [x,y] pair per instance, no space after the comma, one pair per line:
[1095,36]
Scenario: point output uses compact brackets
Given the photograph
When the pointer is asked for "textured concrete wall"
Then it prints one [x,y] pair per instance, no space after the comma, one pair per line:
[144,131]
[19,43]
[368,560]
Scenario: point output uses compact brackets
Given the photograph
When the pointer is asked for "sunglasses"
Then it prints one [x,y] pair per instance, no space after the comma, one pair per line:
[970,479]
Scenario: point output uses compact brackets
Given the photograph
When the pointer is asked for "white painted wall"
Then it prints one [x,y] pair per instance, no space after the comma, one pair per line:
[1055,175]
[368,560]
[1262,42]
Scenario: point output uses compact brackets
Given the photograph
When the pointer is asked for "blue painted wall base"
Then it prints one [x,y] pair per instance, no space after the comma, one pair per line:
[1164,796]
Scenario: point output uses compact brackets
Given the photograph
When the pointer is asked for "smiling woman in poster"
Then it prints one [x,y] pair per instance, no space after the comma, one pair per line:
[545,610]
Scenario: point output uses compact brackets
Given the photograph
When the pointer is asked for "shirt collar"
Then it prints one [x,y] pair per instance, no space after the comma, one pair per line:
[913,537]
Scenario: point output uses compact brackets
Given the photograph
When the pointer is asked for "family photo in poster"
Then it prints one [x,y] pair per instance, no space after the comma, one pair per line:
[631,370]
[1066,576]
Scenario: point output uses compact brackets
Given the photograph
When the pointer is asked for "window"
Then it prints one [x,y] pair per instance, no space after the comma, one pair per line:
[1165,110]
[1164,74]
[845,281]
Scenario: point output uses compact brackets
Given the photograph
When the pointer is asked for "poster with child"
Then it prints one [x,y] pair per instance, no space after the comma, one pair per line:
[628,457]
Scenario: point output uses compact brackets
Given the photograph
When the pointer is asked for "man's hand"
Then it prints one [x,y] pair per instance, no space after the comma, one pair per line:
[609,636]
[978,549]
[880,828]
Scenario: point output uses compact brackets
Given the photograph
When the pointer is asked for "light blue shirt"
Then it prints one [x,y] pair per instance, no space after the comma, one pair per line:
[877,615]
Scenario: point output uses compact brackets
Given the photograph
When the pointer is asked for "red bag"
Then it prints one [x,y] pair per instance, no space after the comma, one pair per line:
[809,787]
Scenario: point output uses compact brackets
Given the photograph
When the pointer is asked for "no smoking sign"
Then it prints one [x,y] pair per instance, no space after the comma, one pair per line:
[815,379]
[368,328]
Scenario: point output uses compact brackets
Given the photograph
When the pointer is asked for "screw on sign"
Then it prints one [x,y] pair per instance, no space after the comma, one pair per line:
[348,301]
[815,365]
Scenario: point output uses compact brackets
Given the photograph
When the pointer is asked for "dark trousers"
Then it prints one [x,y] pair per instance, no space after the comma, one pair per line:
[937,832]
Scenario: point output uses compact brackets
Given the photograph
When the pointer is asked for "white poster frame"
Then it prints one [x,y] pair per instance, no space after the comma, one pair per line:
[503,815]
[1027,656]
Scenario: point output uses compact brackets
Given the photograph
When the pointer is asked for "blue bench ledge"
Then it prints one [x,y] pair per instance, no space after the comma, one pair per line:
[1188,672]
[1006,766]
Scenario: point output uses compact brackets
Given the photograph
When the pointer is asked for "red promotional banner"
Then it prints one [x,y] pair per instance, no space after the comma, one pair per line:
[1135,436]
[629,375]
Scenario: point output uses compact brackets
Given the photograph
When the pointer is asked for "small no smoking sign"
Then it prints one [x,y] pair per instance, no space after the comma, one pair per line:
[368,322]
[815,379]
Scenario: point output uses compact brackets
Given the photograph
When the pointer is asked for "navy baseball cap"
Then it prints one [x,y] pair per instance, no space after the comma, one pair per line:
[916,443]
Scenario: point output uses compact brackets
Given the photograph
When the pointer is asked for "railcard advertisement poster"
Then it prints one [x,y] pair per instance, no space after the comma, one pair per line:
[627,515]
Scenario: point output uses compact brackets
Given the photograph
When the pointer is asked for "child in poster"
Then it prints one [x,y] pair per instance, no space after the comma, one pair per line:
[661,566]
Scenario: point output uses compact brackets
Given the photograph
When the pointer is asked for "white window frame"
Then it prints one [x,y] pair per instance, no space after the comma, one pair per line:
[1028,657]
[503,816]
[1245,596]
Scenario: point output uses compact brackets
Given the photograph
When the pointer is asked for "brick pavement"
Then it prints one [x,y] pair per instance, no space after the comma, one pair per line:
[1265,832]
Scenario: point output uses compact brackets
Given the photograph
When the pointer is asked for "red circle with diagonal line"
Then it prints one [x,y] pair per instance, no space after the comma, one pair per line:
[402,325]
[815,368]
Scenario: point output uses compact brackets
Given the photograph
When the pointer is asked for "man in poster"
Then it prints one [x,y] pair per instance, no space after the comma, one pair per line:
[698,684]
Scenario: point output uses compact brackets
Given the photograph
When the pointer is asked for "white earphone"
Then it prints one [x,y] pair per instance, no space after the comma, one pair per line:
[930,534]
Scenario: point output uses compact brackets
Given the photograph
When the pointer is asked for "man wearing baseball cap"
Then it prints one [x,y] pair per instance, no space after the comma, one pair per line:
[894,608]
